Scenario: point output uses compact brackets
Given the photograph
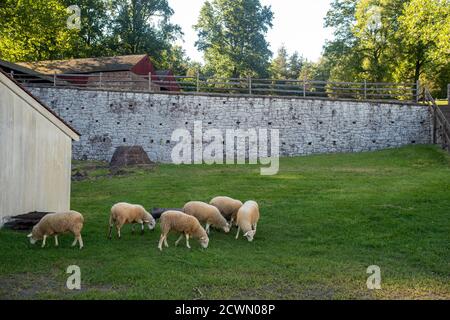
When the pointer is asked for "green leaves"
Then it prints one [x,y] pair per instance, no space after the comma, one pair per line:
[231,33]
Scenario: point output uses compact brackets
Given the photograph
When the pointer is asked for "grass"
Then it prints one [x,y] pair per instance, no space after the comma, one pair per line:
[324,220]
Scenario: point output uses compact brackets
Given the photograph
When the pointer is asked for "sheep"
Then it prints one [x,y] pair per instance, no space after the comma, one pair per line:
[208,214]
[227,206]
[54,224]
[122,213]
[247,219]
[183,223]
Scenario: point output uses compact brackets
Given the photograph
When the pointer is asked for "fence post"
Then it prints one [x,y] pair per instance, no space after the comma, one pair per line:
[100,80]
[365,89]
[250,85]
[54,78]
[12,75]
[198,81]
[448,94]
[304,87]
[149,81]
[417,91]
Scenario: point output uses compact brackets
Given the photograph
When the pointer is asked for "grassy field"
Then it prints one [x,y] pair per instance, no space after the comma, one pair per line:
[324,220]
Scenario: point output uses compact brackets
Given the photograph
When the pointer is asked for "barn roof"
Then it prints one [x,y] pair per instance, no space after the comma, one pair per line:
[87,65]
[38,105]
[18,69]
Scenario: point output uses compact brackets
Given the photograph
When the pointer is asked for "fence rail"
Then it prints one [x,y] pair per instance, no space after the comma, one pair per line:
[441,126]
[248,86]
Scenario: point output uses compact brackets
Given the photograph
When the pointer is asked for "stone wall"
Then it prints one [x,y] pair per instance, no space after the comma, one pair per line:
[108,119]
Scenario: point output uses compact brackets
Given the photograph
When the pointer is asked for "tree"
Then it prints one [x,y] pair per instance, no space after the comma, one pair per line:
[142,26]
[279,68]
[231,33]
[424,39]
[174,59]
[295,63]
[92,40]
[34,30]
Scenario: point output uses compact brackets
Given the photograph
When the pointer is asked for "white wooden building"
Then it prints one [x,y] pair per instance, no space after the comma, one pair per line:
[35,154]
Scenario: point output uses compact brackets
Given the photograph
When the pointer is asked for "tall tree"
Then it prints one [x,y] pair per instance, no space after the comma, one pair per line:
[92,38]
[296,62]
[34,30]
[424,39]
[279,68]
[142,26]
[231,33]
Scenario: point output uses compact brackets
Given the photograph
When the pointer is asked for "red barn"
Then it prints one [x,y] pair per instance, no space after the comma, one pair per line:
[121,72]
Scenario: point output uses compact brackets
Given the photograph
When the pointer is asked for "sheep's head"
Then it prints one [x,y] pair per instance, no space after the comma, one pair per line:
[204,241]
[33,236]
[249,235]
[150,221]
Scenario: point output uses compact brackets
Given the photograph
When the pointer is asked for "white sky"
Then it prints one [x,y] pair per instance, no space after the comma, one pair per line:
[297,23]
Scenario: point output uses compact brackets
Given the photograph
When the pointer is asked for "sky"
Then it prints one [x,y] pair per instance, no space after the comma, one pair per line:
[298,24]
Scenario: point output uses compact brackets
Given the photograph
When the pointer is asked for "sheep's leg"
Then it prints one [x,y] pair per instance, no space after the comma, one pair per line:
[161,240]
[80,241]
[237,234]
[187,241]
[118,231]
[56,240]
[207,228]
[110,232]
[43,241]
[142,227]
[165,242]
[254,226]
[132,228]
[178,241]
[75,241]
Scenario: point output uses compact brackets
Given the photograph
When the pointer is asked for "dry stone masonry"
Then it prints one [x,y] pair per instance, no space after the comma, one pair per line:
[110,119]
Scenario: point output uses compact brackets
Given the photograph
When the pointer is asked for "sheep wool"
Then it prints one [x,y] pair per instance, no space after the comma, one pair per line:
[208,214]
[126,213]
[187,225]
[54,224]
[227,206]
[247,219]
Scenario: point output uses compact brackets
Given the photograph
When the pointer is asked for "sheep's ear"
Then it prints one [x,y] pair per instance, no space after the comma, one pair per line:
[30,235]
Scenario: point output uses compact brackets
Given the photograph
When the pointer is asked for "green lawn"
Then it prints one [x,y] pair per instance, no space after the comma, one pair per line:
[324,220]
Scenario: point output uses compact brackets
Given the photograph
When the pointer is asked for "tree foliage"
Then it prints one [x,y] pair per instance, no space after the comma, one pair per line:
[34,30]
[231,33]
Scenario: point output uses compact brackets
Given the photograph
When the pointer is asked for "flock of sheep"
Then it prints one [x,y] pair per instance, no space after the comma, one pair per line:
[221,213]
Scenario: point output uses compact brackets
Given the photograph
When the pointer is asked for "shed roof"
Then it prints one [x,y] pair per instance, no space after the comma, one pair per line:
[87,65]
[38,105]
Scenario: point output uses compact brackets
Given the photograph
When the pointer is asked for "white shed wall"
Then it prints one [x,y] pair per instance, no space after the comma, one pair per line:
[35,157]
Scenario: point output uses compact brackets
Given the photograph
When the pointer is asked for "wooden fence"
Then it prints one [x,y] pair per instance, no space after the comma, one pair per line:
[441,126]
[249,86]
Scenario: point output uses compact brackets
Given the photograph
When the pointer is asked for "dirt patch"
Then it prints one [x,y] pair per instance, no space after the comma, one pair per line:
[24,222]
[27,286]
[93,170]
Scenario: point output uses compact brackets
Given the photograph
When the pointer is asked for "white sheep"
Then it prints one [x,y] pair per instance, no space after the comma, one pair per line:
[54,224]
[182,223]
[208,214]
[122,213]
[227,206]
[247,219]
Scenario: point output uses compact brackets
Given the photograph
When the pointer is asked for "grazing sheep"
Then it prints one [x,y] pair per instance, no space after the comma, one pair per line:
[247,219]
[185,224]
[227,206]
[54,224]
[206,213]
[122,213]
